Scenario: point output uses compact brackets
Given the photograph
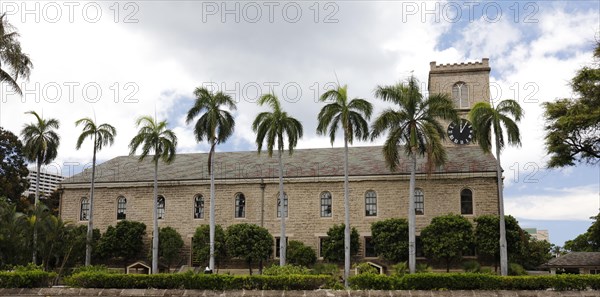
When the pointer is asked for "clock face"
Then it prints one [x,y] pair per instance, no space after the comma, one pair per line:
[460,133]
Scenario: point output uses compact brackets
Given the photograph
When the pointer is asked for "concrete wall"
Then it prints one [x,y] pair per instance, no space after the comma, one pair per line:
[317,293]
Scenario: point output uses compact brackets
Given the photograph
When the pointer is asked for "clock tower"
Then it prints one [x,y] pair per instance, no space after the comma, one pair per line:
[467,84]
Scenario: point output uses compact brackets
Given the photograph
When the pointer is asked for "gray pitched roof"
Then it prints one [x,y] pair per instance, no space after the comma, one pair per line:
[321,162]
[575,259]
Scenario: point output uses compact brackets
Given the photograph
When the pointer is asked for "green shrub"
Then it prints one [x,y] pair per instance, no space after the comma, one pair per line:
[369,281]
[190,280]
[91,268]
[25,279]
[422,268]
[474,281]
[516,269]
[27,268]
[365,268]
[326,268]
[400,269]
[471,266]
[288,269]
[299,254]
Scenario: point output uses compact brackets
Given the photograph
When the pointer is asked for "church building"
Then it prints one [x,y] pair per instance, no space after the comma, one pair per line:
[247,183]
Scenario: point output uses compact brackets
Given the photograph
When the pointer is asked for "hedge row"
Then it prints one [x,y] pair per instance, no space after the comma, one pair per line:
[199,281]
[26,279]
[473,281]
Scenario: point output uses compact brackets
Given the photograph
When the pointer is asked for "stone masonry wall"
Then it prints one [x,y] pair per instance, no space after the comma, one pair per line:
[441,196]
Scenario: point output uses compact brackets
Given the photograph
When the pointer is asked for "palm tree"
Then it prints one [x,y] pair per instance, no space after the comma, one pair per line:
[101,135]
[215,125]
[351,116]
[485,119]
[12,59]
[415,126]
[274,126]
[154,137]
[41,146]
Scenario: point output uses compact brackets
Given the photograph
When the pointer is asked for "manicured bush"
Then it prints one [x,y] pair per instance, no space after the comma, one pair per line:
[26,279]
[516,269]
[369,281]
[473,281]
[199,281]
[299,254]
[91,268]
[288,269]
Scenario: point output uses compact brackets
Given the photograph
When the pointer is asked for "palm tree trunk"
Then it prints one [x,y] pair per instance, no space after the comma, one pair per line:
[346,215]
[35,205]
[412,252]
[503,251]
[155,221]
[90,230]
[282,242]
[211,262]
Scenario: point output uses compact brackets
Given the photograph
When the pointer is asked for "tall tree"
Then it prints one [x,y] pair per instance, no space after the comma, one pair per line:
[274,126]
[447,238]
[352,116]
[201,245]
[334,243]
[487,118]
[154,136]
[13,62]
[13,171]
[41,146]
[572,132]
[573,125]
[13,238]
[415,126]
[487,234]
[101,135]
[249,242]
[215,125]
[390,238]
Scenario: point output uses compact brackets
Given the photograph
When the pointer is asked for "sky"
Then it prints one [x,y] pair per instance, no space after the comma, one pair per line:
[116,61]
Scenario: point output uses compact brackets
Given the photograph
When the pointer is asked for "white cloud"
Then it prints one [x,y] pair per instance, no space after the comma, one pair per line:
[575,203]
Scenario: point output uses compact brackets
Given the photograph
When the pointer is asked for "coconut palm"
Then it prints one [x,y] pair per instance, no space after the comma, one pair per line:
[486,118]
[215,125]
[154,137]
[40,146]
[351,117]
[272,127]
[102,135]
[415,126]
[14,63]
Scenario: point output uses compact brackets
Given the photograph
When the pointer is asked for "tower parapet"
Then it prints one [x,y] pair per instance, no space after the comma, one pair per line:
[484,65]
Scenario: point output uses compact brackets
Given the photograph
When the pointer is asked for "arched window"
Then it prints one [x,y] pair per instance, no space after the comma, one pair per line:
[466,202]
[326,204]
[460,94]
[419,201]
[84,213]
[370,204]
[160,207]
[121,208]
[285,205]
[198,207]
[240,205]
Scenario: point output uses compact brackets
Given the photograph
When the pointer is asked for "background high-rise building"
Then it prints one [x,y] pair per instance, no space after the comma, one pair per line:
[48,182]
